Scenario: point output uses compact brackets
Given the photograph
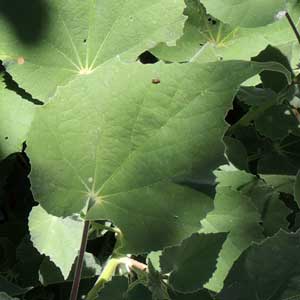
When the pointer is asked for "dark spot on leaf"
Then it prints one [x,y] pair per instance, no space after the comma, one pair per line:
[6,137]
[84,40]
[156,81]
[214,22]
[220,58]
[209,19]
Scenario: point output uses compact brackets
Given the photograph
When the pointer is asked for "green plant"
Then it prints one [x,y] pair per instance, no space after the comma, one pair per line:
[115,118]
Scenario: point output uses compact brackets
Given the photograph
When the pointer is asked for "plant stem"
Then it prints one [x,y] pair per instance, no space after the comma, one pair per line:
[293,25]
[110,269]
[79,263]
[105,276]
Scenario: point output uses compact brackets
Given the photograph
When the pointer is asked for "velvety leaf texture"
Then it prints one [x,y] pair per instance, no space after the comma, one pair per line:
[205,38]
[79,36]
[236,214]
[56,237]
[193,262]
[269,270]
[130,140]
[245,13]
[16,116]
[114,289]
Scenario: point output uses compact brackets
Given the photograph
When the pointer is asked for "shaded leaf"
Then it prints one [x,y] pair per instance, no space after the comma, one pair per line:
[269,270]
[128,127]
[114,289]
[58,238]
[82,36]
[193,262]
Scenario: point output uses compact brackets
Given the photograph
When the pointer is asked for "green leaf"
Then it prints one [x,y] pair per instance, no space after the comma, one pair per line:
[280,183]
[133,140]
[139,292]
[200,295]
[297,188]
[245,13]
[16,115]
[58,238]
[236,152]
[271,80]
[207,39]
[82,36]
[241,203]
[277,122]
[4,296]
[269,270]
[28,263]
[193,262]
[154,256]
[254,96]
[234,213]
[156,284]
[50,274]
[10,288]
[114,289]
[201,33]
[265,198]
[282,158]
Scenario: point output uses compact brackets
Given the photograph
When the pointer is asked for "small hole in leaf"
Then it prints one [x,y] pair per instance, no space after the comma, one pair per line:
[147,58]
[209,19]
[214,22]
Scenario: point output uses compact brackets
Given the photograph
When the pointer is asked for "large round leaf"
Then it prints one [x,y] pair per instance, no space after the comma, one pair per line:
[121,140]
[79,36]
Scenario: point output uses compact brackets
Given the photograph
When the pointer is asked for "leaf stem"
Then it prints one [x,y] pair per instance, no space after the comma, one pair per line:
[105,276]
[79,263]
[109,271]
[293,25]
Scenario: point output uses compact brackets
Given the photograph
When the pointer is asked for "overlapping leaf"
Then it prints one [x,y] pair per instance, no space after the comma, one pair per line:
[4,296]
[56,237]
[193,262]
[269,270]
[123,147]
[234,213]
[245,13]
[16,116]
[80,36]
[242,204]
[207,39]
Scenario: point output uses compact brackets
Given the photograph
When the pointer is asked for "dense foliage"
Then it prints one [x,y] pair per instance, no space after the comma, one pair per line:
[156,141]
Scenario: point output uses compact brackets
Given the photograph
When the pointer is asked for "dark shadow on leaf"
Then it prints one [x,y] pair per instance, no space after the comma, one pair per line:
[147,58]
[29,19]
[13,86]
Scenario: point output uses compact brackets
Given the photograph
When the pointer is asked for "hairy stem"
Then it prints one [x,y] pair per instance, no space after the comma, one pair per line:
[293,25]
[109,271]
[79,263]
